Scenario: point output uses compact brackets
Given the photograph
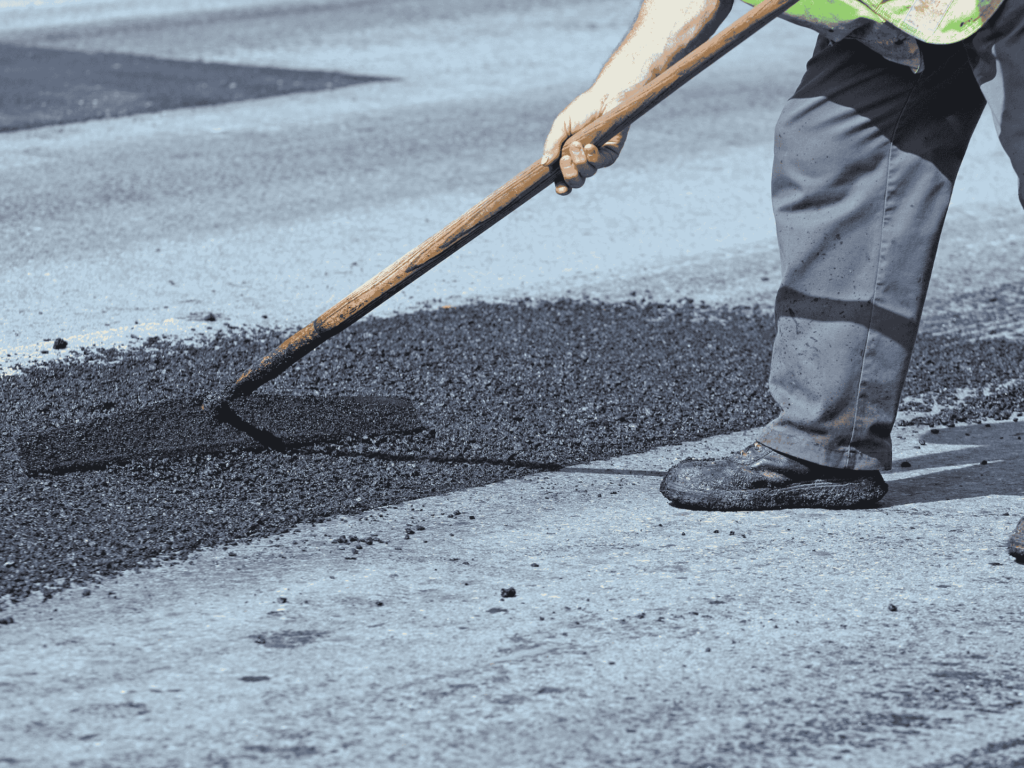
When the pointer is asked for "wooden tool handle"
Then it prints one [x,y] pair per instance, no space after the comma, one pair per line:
[497,206]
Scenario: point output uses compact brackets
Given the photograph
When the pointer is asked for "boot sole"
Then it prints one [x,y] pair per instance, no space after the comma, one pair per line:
[821,494]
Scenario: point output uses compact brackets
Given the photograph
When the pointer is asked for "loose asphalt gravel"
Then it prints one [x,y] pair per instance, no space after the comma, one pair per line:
[502,390]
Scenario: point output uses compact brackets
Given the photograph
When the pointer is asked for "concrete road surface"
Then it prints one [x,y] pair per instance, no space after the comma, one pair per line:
[639,634]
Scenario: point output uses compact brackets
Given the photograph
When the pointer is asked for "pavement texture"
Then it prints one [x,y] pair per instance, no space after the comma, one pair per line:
[279,207]
[638,634]
[351,601]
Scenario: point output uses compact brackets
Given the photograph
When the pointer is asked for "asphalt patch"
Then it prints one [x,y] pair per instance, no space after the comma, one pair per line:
[501,390]
[50,86]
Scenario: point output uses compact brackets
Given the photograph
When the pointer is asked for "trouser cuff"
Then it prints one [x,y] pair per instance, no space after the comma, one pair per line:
[821,449]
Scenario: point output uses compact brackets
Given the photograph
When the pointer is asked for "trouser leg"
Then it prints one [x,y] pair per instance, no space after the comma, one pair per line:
[865,157]
[996,54]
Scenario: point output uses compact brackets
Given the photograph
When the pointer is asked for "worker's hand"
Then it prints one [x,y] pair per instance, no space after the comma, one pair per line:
[578,162]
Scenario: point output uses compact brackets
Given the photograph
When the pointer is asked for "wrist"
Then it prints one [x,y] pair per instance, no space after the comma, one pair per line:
[612,88]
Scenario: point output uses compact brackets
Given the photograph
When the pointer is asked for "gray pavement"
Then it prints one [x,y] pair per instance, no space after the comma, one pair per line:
[639,634]
[280,207]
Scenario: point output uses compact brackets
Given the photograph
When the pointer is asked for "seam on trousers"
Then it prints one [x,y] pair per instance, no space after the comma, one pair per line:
[850,460]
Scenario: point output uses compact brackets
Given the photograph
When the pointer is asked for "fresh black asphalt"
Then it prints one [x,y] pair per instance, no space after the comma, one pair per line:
[501,389]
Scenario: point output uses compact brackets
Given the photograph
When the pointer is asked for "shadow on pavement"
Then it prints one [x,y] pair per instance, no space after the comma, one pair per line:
[950,466]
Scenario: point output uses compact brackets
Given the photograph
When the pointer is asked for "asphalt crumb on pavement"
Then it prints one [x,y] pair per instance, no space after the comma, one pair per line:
[502,390]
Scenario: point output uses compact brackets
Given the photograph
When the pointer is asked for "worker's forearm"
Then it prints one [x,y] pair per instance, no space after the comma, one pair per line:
[664,31]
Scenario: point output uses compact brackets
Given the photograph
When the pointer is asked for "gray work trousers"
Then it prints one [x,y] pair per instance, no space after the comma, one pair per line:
[866,153]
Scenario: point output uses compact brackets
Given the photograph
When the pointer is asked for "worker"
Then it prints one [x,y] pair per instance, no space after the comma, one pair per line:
[866,152]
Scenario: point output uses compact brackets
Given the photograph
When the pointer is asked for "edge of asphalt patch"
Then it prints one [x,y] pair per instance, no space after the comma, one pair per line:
[187,331]
[629,623]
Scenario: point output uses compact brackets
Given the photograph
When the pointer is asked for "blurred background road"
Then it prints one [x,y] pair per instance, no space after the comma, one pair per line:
[268,210]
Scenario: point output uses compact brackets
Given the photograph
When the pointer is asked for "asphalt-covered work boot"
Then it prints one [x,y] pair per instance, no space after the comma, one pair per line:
[760,478]
[1016,544]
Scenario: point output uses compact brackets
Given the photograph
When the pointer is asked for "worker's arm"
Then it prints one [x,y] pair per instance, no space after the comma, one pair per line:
[664,32]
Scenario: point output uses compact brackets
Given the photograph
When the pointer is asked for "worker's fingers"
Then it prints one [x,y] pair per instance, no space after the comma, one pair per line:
[581,162]
[578,154]
[594,157]
[576,162]
[608,152]
[570,175]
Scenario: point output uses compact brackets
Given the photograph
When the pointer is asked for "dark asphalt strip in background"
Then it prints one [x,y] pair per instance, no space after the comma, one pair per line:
[47,86]
[503,390]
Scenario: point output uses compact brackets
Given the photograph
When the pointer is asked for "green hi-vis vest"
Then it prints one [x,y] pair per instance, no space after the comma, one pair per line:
[931,21]
[892,27]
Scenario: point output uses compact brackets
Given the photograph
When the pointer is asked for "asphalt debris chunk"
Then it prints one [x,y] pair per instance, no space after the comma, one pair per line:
[508,592]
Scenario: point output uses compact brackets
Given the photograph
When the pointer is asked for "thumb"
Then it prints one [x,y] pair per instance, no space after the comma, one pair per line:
[560,131]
